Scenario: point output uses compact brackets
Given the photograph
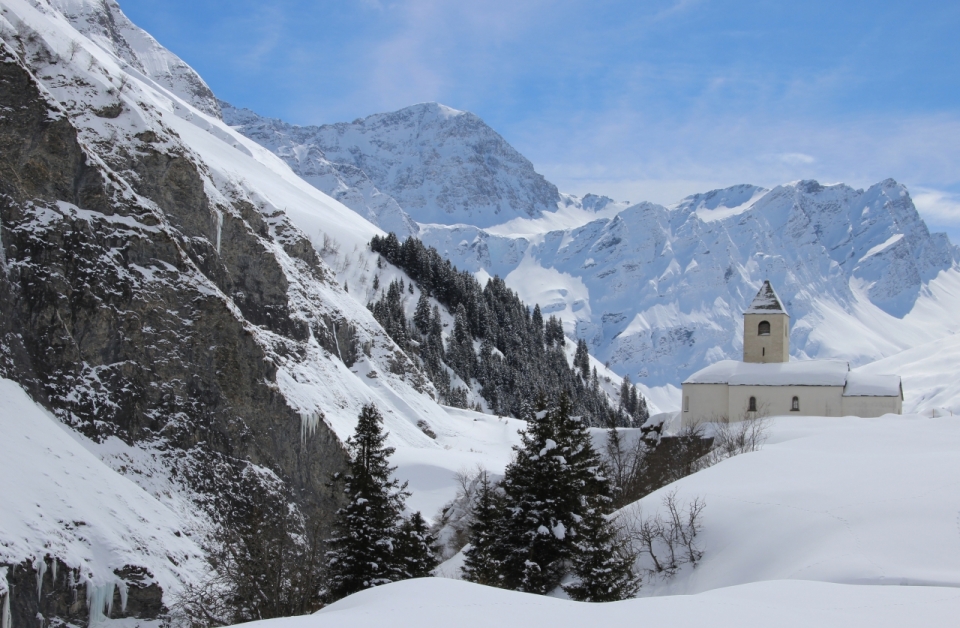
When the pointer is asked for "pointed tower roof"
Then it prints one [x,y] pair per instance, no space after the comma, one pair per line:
[766,301]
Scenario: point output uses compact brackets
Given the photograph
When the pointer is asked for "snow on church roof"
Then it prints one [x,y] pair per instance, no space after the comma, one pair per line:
[766,301]
[800,373]
[868,385]
[803,373]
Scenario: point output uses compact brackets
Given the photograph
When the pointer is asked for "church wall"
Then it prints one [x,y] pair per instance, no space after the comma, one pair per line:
[776,400]
[869,407]
[764,349]
[703,402]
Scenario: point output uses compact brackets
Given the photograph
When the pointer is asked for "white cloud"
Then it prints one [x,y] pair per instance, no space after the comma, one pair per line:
[938,207]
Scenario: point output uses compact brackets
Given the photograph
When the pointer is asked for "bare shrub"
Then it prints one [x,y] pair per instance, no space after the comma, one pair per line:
[662,543]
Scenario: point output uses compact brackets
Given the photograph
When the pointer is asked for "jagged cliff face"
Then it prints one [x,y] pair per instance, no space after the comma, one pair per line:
[659,292]
[438,164]
[155,295]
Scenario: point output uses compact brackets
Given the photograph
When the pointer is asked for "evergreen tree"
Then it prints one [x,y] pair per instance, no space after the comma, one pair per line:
[415,548]
[554,522]
[581,359]
[481,563]
[362,553]
[421,315]
[540,507]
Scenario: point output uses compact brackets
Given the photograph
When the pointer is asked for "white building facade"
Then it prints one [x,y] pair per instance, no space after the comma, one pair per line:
[766,383]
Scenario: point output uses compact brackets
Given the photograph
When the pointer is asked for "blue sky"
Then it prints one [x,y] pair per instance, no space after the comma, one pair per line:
[636,100]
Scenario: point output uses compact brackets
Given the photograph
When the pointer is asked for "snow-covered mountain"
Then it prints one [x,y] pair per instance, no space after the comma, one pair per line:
[347,183]
[658,292]
[439,164]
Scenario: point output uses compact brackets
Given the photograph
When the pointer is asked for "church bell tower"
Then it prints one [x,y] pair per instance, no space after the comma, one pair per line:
[766,328]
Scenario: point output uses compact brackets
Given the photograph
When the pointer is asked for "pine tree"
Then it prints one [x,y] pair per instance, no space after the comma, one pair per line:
[415,548]
[581,359]
[362,554]
[421,315]
[539,508]
[481,563]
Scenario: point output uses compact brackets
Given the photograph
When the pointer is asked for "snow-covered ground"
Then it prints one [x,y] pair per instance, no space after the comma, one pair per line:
[439,603]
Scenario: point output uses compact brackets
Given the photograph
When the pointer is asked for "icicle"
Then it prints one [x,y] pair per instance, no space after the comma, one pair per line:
[99,599]
[6,621]
[219,228]
[337,340]
[6,592]
[40,566]
[122,586]
[308,425]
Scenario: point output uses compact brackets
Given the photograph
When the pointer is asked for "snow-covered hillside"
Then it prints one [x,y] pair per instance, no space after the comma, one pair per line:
[834,522]
[658,292]
[60,502]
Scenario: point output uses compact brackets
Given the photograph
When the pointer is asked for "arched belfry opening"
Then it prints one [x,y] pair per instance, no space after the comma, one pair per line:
[766,328]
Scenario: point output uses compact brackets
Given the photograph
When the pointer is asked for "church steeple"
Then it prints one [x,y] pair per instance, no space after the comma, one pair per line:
[766,328]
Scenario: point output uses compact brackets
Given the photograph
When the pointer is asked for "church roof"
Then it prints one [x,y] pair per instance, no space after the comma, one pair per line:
[799,373]
[766,301]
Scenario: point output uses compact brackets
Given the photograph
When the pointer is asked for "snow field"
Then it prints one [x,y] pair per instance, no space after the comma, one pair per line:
[439,603]
[842,500]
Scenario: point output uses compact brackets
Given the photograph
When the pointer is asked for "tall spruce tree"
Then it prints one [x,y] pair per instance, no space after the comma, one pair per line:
[481,559]
[362,553]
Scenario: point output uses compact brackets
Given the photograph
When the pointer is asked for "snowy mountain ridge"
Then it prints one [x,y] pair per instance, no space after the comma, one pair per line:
[658,292]
[436,163]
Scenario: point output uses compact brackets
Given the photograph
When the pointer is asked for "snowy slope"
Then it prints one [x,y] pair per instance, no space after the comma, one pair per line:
[930,373]
[842,500]
[438,603]
[60,500]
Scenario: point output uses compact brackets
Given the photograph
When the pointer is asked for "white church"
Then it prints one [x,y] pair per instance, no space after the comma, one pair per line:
[767,383]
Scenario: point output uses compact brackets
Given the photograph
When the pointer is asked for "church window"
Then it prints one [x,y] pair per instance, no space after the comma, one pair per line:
[763,351]
[795,405]
[763,328]
[752,407]
[686,403]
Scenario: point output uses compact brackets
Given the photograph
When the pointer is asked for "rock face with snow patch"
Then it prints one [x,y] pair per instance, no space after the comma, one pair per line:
[104,23]
[439,164]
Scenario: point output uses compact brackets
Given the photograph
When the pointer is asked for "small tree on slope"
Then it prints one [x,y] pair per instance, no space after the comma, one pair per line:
[414,548]
[362,555]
